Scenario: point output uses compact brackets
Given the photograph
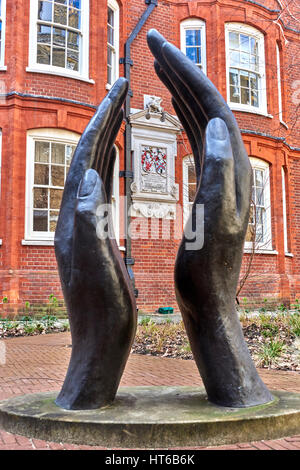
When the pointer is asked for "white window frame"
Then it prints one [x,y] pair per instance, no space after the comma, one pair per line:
[250,31]
[194,23]
[187,162]
[285,229]
[34,66]
[115,198]
[2,47]
[266,245]
[279,83]
[0,168]
[47,135]
[0,161]
[113,5]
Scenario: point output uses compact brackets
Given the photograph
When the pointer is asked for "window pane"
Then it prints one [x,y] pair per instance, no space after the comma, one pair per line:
[75,3]
[53,220]
[40,221]
[57,175]
[191,53]
[259,215]
[234,40]
[234,77]
[110,35]
[259,234]
[58,154]
[245,96]
[254,65]
[109,56]
[234,94]
[63,2]
[45,11]
[254,98]
[260,196]
[110,17]
[44,34]
[253,81]
[193,37]
[74,18]
[234,58]
[59,36]
[59,57]
[42,152]
[250,233]
[109,75]
[73,41]
[244,42]
[245,59]
[259,178]
[69,153]
[40,198]
[192,192]
[244,79]
[73,60]
[191,174]
[60,14]
[41,174]
[253,46]
[55,198]
[43,54]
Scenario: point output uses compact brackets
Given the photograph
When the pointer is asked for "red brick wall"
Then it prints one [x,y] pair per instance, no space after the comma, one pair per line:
[28,273]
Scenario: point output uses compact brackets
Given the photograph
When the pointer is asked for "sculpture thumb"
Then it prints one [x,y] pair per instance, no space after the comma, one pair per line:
[90,195]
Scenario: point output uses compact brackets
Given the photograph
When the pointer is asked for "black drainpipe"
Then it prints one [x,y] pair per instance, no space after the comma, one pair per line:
[128,173]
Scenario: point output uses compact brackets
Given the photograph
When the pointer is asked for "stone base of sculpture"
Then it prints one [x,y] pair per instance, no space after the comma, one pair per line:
[152,417]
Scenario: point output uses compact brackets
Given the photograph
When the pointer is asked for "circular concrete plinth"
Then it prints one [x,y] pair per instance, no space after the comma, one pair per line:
[152,417]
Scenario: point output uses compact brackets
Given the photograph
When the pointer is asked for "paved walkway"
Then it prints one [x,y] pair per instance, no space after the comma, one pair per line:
[39,363]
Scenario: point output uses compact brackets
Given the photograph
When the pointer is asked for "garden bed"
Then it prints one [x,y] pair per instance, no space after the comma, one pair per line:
[273,339]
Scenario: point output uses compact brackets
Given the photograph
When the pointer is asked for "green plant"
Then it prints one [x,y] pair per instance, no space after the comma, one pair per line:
[49,320]
[186,348]
[52,306]
[10,325]
[145,321]
[294,324]
[29,329]
[296,305]
[270,352]
[269,330]
[40,327]
[282,308]
[5,300]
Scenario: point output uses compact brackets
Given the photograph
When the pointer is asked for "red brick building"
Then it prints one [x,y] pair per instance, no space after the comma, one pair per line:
[59,58]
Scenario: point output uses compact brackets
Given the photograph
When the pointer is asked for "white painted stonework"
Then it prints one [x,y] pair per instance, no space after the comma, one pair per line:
[154,191]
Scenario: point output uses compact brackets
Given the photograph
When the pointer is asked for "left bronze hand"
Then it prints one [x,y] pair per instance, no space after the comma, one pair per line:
[97,290]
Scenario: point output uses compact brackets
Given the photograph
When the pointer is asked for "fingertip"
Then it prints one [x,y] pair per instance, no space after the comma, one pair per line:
[217,129]
[155,39]
[119,89]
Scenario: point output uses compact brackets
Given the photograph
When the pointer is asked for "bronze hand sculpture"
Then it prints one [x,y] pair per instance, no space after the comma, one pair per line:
[96,286]
[97,289]
[206,279]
